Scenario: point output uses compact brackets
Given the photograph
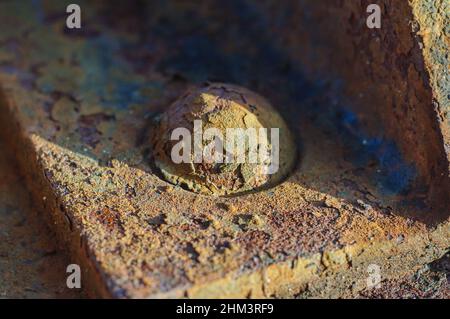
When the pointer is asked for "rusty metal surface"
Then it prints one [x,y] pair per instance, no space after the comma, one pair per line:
[431,281]
[83,102]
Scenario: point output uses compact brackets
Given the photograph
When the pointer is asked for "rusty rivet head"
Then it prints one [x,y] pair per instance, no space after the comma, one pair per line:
[222,139]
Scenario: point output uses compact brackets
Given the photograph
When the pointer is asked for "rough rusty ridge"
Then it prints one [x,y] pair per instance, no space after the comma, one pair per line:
[30,264]
[370,186]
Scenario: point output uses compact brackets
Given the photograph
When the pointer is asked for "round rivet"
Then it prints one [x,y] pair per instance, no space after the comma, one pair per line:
[200,127]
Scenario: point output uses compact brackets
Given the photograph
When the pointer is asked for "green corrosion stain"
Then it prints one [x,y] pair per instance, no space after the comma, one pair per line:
[222,140]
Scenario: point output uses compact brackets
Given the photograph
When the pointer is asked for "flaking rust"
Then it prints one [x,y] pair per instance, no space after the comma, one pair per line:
[222,107]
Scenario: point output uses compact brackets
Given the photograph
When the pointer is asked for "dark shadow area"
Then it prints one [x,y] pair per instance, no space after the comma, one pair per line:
[32,264]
